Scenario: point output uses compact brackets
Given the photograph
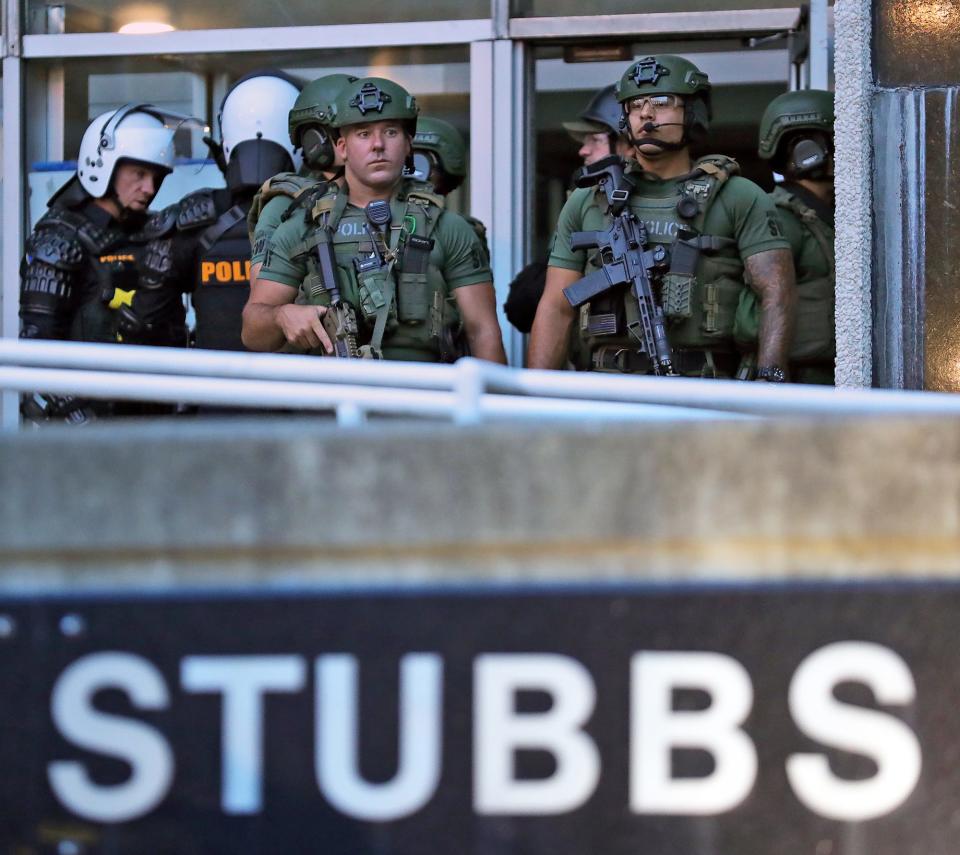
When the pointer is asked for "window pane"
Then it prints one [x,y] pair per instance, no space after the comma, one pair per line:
[916,305]
[916,42]
[1,171]
[74,92]
[107,16]
[557,8]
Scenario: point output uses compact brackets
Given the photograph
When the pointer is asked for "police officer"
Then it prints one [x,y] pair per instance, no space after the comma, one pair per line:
[796,136]
[281,195]
[85,275]
[399,258]
[719,229]
[598,132]
[440,159]
[204,235]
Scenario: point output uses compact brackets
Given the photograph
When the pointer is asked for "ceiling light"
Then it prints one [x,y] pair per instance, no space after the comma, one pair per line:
[140,28]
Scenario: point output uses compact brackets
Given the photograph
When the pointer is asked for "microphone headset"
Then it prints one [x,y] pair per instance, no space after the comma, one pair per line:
[317,148]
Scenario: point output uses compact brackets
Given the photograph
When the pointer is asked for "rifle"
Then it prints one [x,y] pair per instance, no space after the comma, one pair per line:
[625,259]
[340,319]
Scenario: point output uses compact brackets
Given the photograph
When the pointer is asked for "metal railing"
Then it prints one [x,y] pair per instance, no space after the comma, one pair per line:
[468,392]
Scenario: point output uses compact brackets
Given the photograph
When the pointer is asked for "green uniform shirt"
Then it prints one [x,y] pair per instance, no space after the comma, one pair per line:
[457,252]
[740,210]
[267,224]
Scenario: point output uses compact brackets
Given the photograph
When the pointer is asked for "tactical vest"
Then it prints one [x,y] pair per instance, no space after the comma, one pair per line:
[222,283]
[407,297]
[111,258]
[288,184]
[814,337]
[700,289]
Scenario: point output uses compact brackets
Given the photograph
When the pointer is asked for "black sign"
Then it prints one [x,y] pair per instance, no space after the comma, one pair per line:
[705,721]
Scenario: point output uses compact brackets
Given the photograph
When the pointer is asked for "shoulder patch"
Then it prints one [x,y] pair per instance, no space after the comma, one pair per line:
[197,209]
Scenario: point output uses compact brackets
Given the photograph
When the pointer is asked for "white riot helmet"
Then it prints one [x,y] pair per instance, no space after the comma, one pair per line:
[253,129]
[138,132]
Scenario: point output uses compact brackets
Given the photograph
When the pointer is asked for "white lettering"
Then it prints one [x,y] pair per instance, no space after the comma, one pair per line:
[886,740]
[141,746]
[348,228]
[243,680]
[500,731]
[656,728]
[420,728]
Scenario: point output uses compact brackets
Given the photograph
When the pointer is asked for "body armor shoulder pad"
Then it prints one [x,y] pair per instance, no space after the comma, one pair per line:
[161,223]
[57,245]
[718,165]
[197,209]
[285,184]
[786,201]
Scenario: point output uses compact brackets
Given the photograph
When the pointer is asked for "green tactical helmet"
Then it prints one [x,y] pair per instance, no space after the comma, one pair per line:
[667,74]
[444,140]
[312,103]
[373,99]
[803,110]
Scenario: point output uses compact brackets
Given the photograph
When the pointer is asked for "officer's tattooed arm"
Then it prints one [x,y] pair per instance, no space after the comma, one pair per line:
[478,308]
[772,277]
[551,327]
[271,320]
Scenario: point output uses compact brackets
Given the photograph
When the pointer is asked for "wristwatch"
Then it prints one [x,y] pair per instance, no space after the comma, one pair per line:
[771,373]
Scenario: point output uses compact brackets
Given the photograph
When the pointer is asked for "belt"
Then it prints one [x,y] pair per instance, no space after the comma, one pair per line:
[687,363]
[695,363]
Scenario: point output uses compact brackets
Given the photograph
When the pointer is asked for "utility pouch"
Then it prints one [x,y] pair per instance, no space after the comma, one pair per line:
[413,290]
[721,300]
[371,279]
[677,291]
[679,281]
[746,323]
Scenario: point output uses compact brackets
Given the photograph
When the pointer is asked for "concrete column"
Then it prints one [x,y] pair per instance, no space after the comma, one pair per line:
[854,243]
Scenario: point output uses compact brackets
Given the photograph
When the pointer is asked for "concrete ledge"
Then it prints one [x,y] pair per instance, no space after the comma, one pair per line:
[280,503]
